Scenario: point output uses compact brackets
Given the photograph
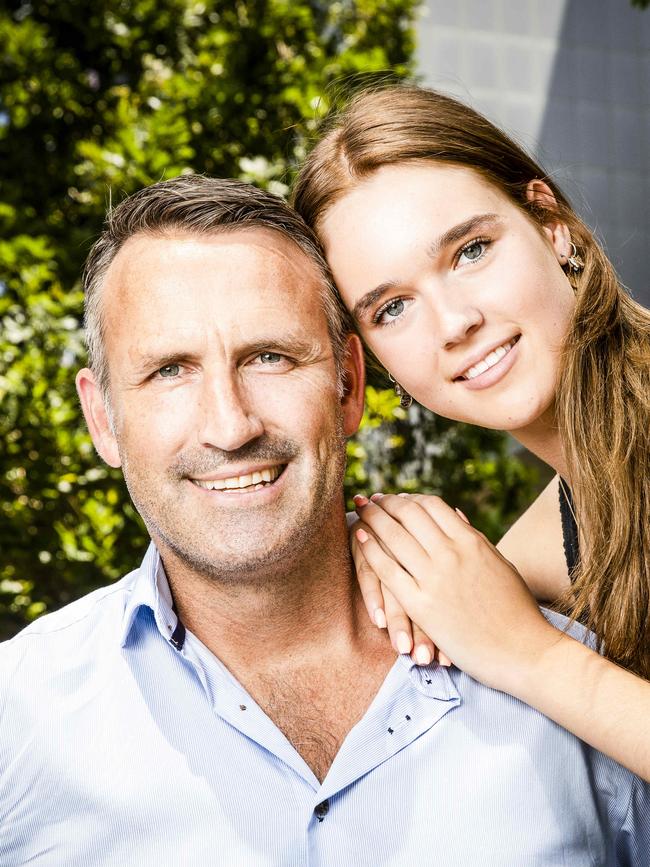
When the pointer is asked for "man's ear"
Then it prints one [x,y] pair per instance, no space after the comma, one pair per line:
[555,230]
[354,385]
[96,415]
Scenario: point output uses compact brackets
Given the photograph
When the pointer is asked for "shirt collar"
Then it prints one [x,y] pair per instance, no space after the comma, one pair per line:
[432,680]
[151,590]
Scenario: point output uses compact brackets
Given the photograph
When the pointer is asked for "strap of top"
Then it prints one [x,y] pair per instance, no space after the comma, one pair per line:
[569,529]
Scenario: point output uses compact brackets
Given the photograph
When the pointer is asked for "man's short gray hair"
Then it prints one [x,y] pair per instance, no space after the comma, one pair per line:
[198,205]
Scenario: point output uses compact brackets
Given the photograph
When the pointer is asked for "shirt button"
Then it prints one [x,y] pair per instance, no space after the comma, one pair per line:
[321,810]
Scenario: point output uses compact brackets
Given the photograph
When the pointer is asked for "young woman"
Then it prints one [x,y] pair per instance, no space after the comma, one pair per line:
[483,294]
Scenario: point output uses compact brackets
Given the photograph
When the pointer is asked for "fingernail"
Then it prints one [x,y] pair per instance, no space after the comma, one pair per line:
[380,618]
[403,642]
[462,515]
[362,536]
[376,497]
[444,663]
[422,655]
[360,500]
[403,494]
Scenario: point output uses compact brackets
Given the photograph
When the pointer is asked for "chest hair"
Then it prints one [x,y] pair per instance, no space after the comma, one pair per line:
[316,710]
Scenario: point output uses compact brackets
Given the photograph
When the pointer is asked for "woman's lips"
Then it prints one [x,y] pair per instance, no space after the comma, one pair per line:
[494,373]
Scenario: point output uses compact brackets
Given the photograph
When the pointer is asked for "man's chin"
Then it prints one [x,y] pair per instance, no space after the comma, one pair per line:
[242,561]
[241,567]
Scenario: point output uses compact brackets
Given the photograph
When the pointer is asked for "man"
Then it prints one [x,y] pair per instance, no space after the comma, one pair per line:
[227,702]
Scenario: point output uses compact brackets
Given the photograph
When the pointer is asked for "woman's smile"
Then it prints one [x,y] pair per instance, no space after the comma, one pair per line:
[492,367]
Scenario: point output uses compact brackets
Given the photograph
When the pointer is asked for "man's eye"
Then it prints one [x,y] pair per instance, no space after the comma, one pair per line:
[169,370]
[273,362]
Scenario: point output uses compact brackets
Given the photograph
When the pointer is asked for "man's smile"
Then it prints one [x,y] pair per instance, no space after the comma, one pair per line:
[254,480]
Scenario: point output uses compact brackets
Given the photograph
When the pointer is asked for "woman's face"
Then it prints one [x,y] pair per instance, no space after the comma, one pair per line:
[460,296]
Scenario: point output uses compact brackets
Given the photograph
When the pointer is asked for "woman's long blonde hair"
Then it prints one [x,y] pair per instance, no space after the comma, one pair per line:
[603,391]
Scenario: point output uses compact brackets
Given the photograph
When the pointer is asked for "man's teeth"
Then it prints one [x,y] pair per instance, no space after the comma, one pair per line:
[238,482]
[490,360]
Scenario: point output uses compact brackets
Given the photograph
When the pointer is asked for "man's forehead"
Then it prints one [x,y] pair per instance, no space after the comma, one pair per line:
[146,254]
[242,283]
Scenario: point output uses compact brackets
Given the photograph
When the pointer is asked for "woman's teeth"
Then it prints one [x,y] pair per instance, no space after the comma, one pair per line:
[490,360]
[254,480]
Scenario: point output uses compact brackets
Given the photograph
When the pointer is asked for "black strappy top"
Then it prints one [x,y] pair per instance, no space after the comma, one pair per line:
[569,529]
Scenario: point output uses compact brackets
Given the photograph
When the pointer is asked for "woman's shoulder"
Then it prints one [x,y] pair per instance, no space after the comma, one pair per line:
[535,545]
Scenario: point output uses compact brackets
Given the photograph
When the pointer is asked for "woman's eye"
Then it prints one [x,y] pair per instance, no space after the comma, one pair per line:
[390,311]
[169,370]
[473,251]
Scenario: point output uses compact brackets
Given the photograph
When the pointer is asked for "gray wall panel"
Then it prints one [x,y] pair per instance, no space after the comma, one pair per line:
[570,79]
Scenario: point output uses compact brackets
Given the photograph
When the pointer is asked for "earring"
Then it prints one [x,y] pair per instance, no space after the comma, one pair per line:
[574,261]
[405,399]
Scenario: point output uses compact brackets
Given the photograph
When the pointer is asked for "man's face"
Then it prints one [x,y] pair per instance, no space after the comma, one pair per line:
[227,417]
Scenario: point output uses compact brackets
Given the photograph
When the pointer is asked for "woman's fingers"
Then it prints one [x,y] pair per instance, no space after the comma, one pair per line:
[401,540]
[392,575]
[399,624]
[452,522]
[377,565]
[370,586]
[424,650]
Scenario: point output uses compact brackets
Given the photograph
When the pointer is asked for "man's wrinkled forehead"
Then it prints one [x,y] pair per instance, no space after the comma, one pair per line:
[240,281]
[129,266]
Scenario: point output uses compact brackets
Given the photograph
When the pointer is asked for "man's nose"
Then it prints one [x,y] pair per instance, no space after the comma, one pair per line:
[227,419]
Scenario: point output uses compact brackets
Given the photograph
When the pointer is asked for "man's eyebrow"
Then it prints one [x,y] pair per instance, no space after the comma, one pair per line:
[292,344]
[304,348]
[145,361]
[451,236]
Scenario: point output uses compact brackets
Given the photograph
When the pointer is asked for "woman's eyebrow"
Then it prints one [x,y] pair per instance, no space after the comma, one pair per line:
[451,236]
[458,232]
[370,298]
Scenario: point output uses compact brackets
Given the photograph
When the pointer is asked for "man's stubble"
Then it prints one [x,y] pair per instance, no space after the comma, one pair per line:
[231,559]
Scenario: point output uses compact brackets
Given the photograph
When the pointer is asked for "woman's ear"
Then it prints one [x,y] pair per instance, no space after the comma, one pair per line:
[555,230]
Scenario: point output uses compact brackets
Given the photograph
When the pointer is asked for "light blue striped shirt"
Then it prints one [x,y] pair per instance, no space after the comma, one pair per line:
[124,742]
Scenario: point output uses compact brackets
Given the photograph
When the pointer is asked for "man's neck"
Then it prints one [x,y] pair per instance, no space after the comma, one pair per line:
[299,641]
[279,613]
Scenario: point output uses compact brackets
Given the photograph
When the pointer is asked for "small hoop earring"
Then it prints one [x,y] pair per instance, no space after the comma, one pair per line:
[574,261]
[405,399]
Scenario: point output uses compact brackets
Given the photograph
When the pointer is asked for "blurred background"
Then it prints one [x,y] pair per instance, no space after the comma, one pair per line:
[100,98]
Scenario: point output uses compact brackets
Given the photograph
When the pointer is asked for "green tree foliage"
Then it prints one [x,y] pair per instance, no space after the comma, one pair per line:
[96,100]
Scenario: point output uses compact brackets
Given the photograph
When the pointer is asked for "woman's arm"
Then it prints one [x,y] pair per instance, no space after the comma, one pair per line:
[477,609]
[595,699]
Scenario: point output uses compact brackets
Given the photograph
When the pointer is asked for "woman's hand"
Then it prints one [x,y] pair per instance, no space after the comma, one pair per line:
[454,584]
[384,610]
